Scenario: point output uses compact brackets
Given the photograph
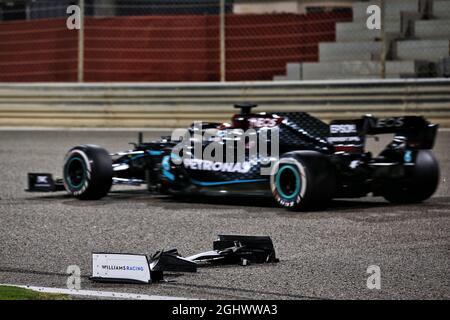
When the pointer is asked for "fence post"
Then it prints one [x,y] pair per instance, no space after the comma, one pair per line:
[383,39]
[81,43]
[222,42]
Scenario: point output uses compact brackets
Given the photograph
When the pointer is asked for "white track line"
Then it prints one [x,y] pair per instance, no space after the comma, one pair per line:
[96,293]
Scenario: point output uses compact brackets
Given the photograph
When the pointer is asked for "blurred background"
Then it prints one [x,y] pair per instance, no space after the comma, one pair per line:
[167,63]
[214,40]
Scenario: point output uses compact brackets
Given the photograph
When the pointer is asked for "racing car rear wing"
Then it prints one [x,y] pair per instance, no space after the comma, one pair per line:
[417,132]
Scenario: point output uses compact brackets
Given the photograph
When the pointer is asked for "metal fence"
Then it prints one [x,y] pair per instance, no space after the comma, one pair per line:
[222,40]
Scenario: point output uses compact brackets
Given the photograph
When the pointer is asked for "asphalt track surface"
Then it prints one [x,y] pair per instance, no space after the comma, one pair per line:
[324,255]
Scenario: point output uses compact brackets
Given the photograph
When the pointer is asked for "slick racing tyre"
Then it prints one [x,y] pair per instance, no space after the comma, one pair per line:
[88,172]
[421,181]
[303,180]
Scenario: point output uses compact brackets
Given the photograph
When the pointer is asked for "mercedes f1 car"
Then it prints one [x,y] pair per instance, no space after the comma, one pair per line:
[314,163]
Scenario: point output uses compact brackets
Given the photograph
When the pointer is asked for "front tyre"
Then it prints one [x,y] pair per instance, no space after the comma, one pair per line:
[303,180]
[88,172]
[421,182]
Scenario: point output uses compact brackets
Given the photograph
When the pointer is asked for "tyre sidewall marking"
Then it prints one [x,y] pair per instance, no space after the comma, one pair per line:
[87,165]
[297,181]
[303,182]
[70,182]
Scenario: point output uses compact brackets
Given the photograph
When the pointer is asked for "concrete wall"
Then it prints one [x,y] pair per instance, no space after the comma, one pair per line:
[441,9]
[349,51]
[285,6]
[429,50]
[432,29]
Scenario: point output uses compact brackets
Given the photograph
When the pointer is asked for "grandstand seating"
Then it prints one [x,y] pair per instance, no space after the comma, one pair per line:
[417,42]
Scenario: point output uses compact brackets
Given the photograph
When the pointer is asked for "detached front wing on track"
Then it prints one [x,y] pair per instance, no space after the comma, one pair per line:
[227,249]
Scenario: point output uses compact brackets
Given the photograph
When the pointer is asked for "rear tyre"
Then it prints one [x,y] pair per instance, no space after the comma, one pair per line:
[421,182]
[88,172]
[303,180]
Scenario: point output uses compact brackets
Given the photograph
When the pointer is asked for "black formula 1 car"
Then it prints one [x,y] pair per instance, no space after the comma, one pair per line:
[313,161]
